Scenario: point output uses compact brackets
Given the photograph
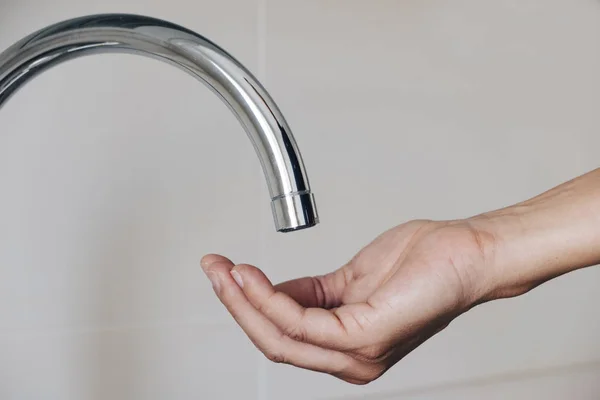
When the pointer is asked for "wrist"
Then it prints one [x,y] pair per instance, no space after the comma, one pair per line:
[505,272]
[540,239]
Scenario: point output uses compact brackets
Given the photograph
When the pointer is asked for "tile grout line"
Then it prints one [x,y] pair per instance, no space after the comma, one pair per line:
[261,26]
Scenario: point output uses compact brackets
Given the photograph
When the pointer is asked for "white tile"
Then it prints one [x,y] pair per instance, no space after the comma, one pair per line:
[431,109]
[118,173]
[176,362]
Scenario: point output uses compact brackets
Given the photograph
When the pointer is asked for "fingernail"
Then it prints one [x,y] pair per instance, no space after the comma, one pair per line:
[237,278]
[214,280]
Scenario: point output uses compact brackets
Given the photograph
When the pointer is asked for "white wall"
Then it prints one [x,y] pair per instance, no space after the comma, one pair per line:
[118,173]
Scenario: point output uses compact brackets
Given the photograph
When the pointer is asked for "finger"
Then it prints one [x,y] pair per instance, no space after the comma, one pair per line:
[211,259]
[340,329]
[271,341]
[320,291]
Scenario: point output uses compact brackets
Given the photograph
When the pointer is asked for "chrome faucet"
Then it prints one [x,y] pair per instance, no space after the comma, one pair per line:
[292,201]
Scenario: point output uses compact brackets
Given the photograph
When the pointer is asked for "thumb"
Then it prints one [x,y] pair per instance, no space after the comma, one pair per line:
[323,291]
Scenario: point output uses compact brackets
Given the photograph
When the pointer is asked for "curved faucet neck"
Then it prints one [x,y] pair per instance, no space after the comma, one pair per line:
[292,201]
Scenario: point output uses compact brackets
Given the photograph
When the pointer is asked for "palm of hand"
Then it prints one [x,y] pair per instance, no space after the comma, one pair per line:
[358,321]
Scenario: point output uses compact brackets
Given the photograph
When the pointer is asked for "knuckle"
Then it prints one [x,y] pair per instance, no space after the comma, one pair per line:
[275,356]
[362,373]
[373,354]
[353,381]
[275,353]
[359,382]
[369,376]
[377,372]
[297,333]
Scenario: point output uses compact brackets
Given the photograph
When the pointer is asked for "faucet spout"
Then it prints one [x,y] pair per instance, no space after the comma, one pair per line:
[292,202]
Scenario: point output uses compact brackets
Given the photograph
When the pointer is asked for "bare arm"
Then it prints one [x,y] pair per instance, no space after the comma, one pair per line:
[544,237]
[410,282]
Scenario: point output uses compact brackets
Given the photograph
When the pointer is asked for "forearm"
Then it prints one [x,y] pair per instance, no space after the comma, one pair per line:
[544,237]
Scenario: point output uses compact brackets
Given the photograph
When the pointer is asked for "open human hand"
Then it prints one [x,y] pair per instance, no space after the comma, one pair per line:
[359,320]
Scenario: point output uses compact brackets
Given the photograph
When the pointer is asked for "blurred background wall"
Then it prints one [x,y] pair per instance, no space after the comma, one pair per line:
[118,173]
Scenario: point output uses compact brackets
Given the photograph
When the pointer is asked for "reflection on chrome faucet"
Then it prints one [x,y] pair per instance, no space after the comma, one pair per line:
[292,201]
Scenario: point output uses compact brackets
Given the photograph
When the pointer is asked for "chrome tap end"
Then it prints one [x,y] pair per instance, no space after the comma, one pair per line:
[294,211]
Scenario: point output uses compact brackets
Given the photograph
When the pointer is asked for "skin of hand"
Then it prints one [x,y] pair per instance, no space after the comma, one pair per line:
[407,285]
[358,321]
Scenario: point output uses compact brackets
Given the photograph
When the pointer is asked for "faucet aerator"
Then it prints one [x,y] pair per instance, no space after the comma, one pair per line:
[294,212]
